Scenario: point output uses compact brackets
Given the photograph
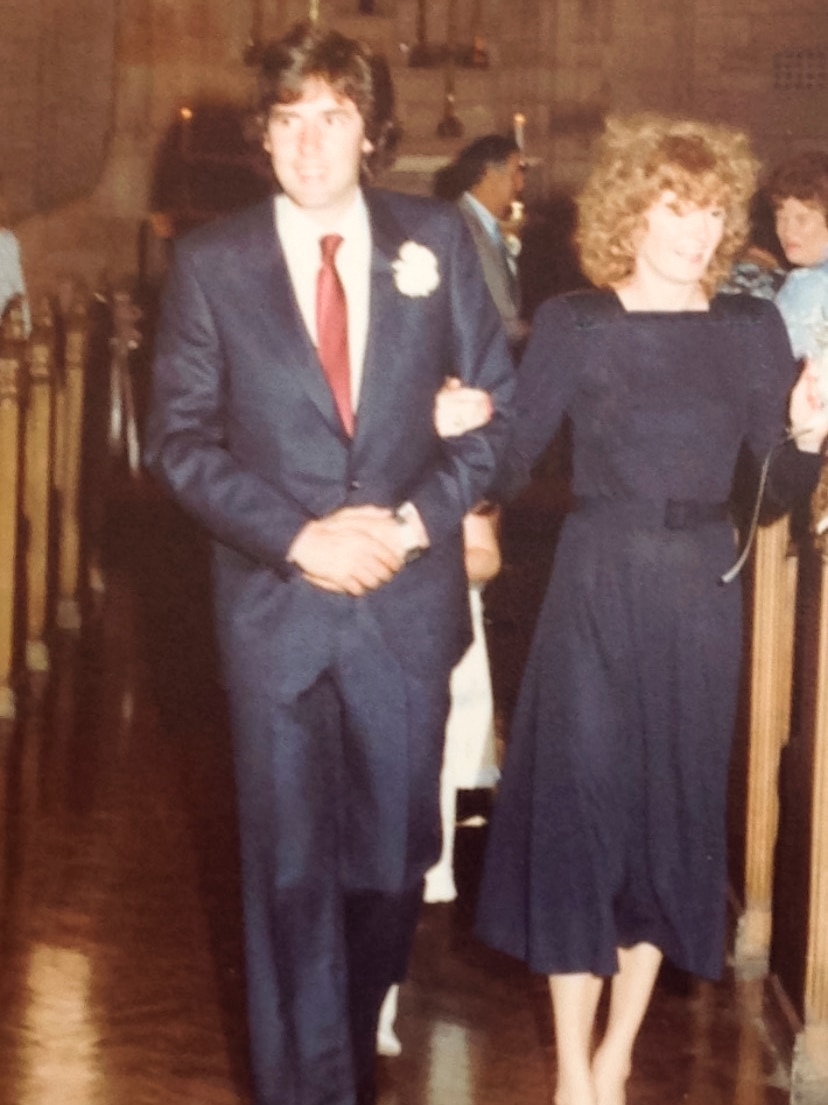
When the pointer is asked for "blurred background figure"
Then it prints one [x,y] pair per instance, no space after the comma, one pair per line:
[757,272]
[798,191]
[12,283]
[469,760]
[485,180]
[470,755]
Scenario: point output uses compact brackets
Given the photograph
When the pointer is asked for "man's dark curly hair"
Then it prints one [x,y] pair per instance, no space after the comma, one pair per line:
[472,163]
[308,52]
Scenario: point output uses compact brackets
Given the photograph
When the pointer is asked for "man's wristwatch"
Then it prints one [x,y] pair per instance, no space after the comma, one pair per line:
[411,540]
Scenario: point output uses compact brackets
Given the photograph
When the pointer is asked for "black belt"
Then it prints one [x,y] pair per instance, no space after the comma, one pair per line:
[673,514]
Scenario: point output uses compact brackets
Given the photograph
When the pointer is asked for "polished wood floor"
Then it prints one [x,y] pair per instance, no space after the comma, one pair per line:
[121,979]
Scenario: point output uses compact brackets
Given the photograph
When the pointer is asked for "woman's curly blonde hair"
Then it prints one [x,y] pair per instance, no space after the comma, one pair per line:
[638,159]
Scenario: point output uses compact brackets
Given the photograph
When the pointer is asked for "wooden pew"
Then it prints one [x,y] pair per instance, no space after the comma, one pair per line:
[771,614]
[782,932]
[111,452]
[39,454]
[68,459]
[11,406]
[809,1072]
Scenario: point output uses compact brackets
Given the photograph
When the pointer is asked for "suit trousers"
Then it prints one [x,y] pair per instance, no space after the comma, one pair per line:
[335,790]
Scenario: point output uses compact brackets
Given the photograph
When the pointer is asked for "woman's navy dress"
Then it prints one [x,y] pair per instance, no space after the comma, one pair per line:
[609,827]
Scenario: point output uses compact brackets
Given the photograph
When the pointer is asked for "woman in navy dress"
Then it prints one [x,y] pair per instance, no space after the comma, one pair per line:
[607,845]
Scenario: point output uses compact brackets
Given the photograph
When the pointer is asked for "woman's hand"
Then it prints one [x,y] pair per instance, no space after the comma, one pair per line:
[458,409]
[807,413]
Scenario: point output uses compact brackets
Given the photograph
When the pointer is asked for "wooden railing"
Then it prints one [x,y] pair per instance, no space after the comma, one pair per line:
[11,437]
[769,713]
[783,927]
[45,543]
[38,426]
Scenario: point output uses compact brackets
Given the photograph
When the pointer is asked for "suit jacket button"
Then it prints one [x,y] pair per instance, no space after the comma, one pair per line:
[354,485]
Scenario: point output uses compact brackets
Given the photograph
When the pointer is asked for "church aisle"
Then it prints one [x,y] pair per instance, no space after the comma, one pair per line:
[120,961]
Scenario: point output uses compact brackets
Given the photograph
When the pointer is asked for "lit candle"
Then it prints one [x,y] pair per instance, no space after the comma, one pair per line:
[186,116]
[519,121]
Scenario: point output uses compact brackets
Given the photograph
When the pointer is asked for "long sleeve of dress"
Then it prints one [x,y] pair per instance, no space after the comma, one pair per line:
[545,382]
[793,474]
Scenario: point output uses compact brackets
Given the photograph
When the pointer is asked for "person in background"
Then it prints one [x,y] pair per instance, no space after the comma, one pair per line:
[756,272]
[301,345]
[798,191]
[485,179]
[469,757]
[607,841]
[12,282]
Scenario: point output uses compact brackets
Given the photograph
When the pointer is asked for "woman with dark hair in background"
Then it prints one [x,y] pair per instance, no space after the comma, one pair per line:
[798,191]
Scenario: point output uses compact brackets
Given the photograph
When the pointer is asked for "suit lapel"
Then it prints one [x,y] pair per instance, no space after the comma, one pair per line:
[499,276]
[286,328]
[287,334]
[384,325]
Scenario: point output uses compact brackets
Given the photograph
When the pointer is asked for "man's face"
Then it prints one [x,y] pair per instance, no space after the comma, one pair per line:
[506,183]
[316,146]
[802,231]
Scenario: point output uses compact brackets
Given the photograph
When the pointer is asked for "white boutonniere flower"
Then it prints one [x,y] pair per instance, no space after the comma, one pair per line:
[415,270]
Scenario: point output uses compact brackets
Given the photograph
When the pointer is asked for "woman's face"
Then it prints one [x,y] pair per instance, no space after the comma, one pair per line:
[802,231]
[678,241]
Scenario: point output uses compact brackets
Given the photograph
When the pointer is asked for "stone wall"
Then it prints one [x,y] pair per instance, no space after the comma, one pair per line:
[91,90]
[57,91]
[747,62]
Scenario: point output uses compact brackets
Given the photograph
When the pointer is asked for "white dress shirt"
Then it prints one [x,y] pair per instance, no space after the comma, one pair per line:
[299,235]
[492,227]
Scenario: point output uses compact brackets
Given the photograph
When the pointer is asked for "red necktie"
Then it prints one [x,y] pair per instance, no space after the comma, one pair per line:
[332,330]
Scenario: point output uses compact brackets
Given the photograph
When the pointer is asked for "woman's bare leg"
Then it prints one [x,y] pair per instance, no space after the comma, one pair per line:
[630,996]
[574,1004]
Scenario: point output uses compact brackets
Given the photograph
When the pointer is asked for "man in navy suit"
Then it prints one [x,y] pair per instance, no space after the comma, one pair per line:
[335,520]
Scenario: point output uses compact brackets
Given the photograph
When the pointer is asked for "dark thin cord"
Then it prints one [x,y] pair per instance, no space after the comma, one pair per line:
[732,572]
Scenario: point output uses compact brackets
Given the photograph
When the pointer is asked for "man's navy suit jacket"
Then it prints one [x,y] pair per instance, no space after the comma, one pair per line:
[244,432]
